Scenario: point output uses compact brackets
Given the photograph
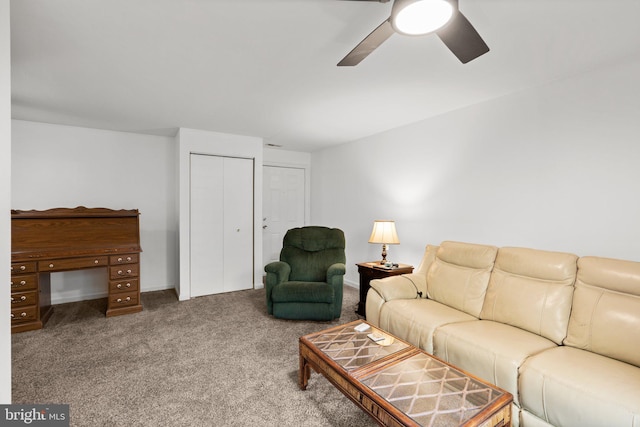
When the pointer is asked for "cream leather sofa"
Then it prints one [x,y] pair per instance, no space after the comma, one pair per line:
[560,333]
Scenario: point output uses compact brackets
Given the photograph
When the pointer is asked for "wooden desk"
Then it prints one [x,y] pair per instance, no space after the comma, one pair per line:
[65,239]
[374,270]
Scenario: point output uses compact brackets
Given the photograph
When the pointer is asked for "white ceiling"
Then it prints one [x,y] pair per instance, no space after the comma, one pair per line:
[267,68]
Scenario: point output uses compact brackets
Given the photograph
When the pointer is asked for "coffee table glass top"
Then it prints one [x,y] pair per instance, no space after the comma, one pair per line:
[431,392]
[353,349]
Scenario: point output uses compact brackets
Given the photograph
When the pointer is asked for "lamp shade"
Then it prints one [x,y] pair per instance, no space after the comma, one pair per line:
[384,231]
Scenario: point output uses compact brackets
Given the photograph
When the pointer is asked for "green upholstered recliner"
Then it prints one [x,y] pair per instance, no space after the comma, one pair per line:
[307,281]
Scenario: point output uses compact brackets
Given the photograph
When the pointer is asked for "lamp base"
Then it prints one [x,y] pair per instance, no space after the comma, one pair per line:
[384,254]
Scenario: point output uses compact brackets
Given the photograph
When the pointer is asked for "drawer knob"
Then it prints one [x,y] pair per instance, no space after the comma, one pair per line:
[23,267]
[50,265]
[127,299]
[23,282]
[120,272]
[128,258]
[12,315]
[128,285]
[22,299]
[23,314]
[120,259]
[128,271]
[96,262]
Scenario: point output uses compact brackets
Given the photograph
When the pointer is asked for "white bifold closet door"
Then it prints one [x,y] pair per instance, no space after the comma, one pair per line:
[221,232]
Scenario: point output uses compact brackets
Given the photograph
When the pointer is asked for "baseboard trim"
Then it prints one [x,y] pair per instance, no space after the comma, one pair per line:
[352,284]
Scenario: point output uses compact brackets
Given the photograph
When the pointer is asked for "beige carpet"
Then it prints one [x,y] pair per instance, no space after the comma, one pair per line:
[218,360]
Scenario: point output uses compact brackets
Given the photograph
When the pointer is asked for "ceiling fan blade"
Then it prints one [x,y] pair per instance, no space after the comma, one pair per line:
[368,45]
[462,39]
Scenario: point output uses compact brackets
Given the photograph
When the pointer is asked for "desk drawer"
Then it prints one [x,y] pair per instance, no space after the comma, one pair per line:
[24,283]
[24,314]
[21,299]
[123,259]
[120,271]
[23,267]
[123,285]
[73,263]
[123,300]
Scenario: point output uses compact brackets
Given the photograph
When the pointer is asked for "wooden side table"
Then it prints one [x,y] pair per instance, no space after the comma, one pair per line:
[374,270]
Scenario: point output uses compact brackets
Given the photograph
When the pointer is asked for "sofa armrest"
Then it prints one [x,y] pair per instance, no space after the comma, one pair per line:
[405,286]
[335,272]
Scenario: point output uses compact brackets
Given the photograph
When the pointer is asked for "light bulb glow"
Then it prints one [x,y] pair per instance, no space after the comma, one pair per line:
[423,17]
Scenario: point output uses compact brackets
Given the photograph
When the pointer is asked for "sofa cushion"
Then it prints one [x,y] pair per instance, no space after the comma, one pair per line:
[414,320]
[569,387]
[459,275]
[527,419]
[427,259]
[605,318]
[490,350]
[533,290]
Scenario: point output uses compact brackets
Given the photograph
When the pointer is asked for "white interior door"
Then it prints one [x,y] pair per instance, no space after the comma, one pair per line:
[283,206]
[221,224]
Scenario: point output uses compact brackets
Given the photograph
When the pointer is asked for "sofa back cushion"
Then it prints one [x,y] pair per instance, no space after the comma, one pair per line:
[532,290]
[459,275]
[427,259]
[606,309]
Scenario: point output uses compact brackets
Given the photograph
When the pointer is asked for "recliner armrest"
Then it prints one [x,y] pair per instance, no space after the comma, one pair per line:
[405,286]
[279,272]
[335,270]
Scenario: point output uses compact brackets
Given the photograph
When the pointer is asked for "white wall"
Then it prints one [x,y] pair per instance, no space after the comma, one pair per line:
[5,203]
[553,168]
[214,143]
[65,166]
[278,157]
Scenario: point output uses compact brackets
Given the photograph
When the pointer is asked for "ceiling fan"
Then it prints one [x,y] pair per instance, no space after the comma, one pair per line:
[420,17]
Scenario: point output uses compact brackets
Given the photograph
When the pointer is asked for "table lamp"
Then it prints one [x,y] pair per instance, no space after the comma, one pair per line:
[384,231]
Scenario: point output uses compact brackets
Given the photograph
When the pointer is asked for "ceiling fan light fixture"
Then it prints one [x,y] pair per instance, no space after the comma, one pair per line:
[419,17]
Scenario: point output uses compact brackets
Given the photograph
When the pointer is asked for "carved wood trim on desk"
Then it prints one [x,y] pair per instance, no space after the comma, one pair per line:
[65,239]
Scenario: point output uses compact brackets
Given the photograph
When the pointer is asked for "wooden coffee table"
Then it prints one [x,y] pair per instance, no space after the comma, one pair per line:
[398,384]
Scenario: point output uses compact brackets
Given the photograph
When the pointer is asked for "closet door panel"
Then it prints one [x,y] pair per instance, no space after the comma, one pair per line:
[207,217]
[238,223]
